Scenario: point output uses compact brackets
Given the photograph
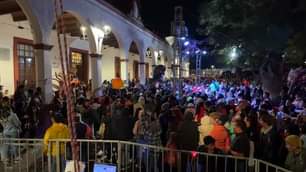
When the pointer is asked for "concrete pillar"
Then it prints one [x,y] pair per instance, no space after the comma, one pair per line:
[142,73]
[96,70]
[142,66]
[124,62]
[125,70]
[43,67]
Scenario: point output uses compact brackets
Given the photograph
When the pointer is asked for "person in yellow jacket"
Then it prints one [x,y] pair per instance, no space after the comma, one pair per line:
[57,130]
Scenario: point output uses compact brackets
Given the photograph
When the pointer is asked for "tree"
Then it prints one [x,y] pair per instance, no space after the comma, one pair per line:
[257,26]
[296,50]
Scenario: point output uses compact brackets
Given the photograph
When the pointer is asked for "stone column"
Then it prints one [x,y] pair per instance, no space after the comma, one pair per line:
[142,73]
[142,65]
[125,70]
[43,67]
[96,70]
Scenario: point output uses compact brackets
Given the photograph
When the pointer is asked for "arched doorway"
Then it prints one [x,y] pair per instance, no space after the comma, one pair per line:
[134,60]
[78,48]
[111,62]
[17,59]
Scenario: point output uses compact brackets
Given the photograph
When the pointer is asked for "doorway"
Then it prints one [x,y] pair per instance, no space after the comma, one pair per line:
[79,64]
[136,70]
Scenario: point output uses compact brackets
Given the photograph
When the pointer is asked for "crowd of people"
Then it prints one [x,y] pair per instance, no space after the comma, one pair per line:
[216,117]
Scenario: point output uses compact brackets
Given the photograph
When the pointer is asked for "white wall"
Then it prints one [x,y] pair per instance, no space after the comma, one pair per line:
[108,62]
[72,42]
[9,30]
[132,57]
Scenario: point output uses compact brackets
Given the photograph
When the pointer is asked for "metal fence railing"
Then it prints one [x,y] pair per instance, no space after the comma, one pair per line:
[126,157]
[22,155]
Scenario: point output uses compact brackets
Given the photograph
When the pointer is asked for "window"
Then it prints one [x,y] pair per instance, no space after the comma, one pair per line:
[24,61]
[76,62]
[79,64]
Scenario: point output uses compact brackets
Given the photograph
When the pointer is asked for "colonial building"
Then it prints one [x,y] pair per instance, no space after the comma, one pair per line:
[102,42]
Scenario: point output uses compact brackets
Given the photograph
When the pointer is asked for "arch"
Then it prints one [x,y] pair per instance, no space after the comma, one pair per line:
[33,20]
[112,40]
[111,61]
[73,22]
[80,42]
[134,60]
[21,31]
[134,48]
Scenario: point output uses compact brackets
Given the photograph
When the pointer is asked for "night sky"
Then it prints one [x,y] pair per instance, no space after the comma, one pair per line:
[158,14]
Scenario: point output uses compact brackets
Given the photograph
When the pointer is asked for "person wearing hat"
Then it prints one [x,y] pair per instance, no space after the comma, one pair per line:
[296,158]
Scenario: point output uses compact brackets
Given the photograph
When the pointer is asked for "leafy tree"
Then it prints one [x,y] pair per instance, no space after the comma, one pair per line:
[257,26]
[296,50]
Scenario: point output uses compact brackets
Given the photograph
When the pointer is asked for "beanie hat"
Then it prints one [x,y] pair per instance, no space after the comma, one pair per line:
[294,141]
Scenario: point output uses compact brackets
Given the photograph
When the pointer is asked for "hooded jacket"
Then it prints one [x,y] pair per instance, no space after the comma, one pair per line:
[56,131]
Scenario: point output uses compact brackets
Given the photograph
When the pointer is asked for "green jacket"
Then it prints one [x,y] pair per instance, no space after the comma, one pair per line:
[296,163]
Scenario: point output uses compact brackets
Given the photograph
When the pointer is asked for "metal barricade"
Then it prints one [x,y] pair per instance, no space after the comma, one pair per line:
[31,155]
[22,155]
[268,167]
[134,157]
